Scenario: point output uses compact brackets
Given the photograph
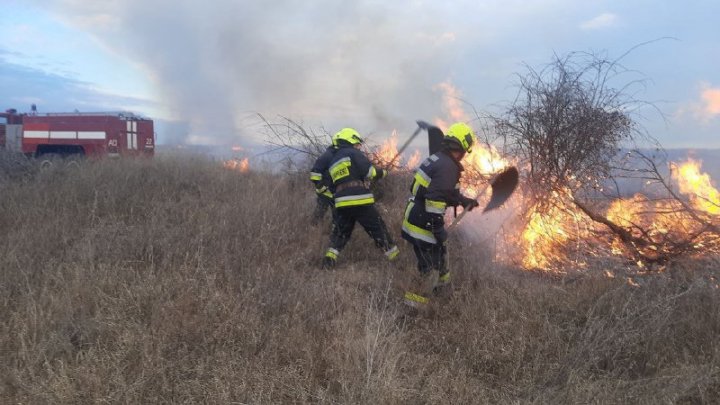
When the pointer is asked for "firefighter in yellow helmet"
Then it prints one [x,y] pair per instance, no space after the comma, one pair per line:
[435,187]
[350,171]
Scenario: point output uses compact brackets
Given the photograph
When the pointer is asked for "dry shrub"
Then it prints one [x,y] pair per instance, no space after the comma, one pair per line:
[182,282]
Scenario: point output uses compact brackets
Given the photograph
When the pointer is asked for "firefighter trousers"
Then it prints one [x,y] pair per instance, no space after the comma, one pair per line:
[430,256]
[368,217]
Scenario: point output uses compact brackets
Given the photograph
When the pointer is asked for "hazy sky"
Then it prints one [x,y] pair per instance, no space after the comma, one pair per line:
[203,69]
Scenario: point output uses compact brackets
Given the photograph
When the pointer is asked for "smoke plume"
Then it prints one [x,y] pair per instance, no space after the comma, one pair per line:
[215,64]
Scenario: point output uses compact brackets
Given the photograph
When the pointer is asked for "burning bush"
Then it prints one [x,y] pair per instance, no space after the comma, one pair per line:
[568,128]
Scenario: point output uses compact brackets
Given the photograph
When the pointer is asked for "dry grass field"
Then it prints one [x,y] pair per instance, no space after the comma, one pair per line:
[178,281]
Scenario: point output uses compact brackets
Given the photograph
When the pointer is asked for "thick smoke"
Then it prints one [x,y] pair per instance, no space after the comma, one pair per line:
[366,64]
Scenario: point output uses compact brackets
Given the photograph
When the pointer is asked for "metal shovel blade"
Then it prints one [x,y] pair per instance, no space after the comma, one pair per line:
[503,186]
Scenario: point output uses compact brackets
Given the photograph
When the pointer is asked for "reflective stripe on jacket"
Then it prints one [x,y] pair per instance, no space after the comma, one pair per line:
[351,165]
[435,187]
[319,174]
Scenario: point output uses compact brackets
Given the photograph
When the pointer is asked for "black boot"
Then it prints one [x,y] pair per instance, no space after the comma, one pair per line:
[328,263]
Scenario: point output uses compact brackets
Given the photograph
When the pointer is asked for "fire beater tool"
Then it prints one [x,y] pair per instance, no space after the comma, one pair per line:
[421,125]
[502,186]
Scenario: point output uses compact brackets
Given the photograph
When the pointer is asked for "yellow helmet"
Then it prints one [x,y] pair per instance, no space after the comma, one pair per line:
[460,135]
[348,135]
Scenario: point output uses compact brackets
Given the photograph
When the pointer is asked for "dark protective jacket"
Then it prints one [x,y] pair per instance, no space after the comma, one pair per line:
[435,186]
[349,170]
[320,175]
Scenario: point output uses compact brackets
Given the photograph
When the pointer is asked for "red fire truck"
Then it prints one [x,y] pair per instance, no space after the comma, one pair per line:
[77,134]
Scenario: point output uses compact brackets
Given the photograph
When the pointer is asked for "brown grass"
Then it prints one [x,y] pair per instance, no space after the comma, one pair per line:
[173,281]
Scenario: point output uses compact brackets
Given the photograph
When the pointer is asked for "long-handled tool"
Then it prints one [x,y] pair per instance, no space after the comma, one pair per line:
[502,185]
[421,125]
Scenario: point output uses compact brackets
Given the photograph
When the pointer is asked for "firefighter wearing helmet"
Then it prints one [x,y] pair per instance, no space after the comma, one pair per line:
[350,171]
[435,187]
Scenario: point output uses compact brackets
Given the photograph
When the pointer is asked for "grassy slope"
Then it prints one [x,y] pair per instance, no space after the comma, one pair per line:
[171,281]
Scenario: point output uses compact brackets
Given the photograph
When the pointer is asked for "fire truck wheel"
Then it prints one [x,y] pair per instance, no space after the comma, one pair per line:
[72,163]
[48,161]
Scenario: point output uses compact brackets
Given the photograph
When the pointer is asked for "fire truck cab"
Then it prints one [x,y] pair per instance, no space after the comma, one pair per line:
[99,134]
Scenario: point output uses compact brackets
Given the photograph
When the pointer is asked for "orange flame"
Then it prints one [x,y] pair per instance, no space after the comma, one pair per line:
[547,237]
[388,150]
[480,165]
[243,166]
[546,232]
[626,213]
[414,160]
[452,101]
[540,236]
[485,160]
[698,186]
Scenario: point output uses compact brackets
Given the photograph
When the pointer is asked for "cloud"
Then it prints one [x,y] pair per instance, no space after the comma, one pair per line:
[5,52]
[22,86]
[704,109]
[710,101]
[604,20]
[698,120]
